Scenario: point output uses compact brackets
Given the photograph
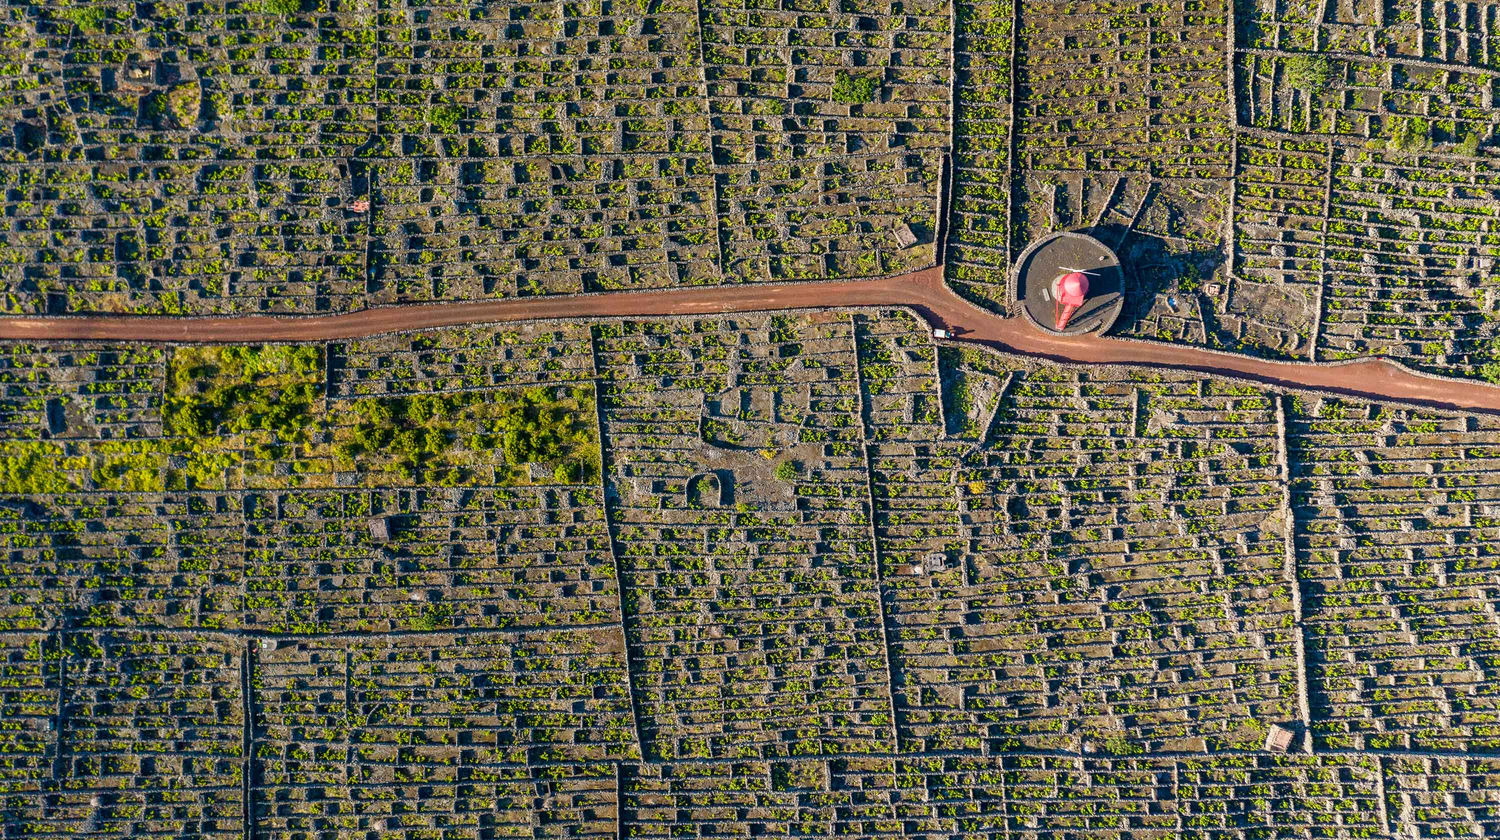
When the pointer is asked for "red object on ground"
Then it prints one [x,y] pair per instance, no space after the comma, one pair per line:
[1069,292]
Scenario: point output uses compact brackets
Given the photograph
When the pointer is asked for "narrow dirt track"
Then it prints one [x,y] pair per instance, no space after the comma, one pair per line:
[923,291]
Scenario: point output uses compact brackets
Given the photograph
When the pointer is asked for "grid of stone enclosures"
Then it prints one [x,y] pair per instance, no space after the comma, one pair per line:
[978,250]
[1067,115]
[1278,256]
[105,393]
[255,156]
[1396,59]
[458,360]
[752,603]
[1392,503]
[1027,796]
[1413,245]
[402,735]
[1368,97]
[1097,506]
[991,597]
[504,558]
[1119,87]
[1379,252]
[121,732]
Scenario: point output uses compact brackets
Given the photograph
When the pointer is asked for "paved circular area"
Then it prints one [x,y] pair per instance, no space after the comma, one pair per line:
[1046,259]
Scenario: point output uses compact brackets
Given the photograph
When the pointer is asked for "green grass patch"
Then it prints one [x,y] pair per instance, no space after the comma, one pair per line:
[268,401]
[35,468]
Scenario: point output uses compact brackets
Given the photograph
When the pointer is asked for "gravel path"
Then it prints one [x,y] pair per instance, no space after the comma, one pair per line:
[923,290]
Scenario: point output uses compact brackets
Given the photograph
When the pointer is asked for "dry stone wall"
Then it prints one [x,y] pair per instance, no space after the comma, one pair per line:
[832,579]
[1393,503]
[265,156]
[753,611]
[1122,585]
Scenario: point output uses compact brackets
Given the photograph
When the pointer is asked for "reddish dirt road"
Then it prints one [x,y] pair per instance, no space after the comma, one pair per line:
[923,291]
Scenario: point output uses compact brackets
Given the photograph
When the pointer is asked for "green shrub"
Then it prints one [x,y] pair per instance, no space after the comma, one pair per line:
[444,439]
[1409,134]
[1308,73]
[444,118]
[136,471]
[88,18]
[234,390]
[854,88]
[427,618]
[417,433]
[280,7]
[1470,144]
[1490,372]
[788,470]
[32,468]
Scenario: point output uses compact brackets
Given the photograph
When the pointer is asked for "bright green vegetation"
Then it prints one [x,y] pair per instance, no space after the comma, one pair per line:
[183,103]
[32,467]
[89,18]
[418,434]
[788,470]
[1409,134]
[1490,372]
[854,88]
[1308,73]
[46,467]
[234,390]
[445,118]
[270,399]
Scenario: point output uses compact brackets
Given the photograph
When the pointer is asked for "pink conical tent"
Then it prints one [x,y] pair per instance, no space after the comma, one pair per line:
[1068,292]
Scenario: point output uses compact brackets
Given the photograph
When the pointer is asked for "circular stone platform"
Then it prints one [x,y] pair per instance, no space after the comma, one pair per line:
[1048,258]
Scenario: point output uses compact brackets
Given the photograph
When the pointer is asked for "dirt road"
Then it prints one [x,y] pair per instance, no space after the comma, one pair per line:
[923,290]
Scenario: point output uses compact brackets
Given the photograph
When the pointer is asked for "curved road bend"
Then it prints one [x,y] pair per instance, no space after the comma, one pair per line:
[923,291]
